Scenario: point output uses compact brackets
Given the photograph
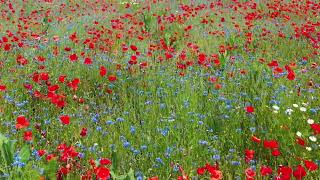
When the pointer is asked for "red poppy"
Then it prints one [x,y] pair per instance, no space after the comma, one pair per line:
[65,119]
[27,136]
[310,165]
[273,63]
[73,57]
[300,141]
[50,157]
[153,178]
[291,76]
[83,132]
[21,60]
[276,152]
[112,78]
[7,47]
[105,161]
[299,173]
[249,155]
[250,173]
[265,170]
[201,170]
[250,109]
[22,122]
[133,47]
[62,78]
[202,58]
[271,144]
[103,71]
[255,139]
[3,87]
[87,61]
[53,88]
[285,172]
[102,173]
[316,128]
[41,152]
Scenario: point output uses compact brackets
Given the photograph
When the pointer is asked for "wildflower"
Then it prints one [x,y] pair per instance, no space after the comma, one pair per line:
[65,119]
[83,132]
[285,172]
[250,109]
[103,71]
[27,136]
[276,153]
[265,170]
[289,111]
[272,144]
[300,172]
[250,173]
[102,173]
[310,121]
[105,161]
[201,170]
[303,109]
[316,128]
[275,107]
[299,133]
[313,138]
[255,139]
[310,165]
[249,155]
[73,57]
[22,122]
[300,141]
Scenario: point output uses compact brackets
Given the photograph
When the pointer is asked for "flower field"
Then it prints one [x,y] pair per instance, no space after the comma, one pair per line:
[160,89]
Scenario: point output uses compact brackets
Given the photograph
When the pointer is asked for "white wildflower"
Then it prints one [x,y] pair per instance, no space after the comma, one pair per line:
[313,138]
[303,109]
[299,133]
[310,121]
[275,107]
[289,111]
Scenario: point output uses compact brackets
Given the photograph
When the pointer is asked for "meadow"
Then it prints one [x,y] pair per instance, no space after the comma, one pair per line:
[159,89]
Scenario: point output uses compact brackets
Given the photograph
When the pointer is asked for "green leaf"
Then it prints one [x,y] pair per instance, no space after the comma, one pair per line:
[114,161]
[7,150]
[3,139]
[25,153]
[131,174]
[50,169]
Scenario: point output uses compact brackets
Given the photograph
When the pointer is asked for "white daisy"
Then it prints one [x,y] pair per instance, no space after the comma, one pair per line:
[295,105]
[275,107]
[289,111]
[308,148]
[313,138]
[299,133]
[303,109]
[310,121]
